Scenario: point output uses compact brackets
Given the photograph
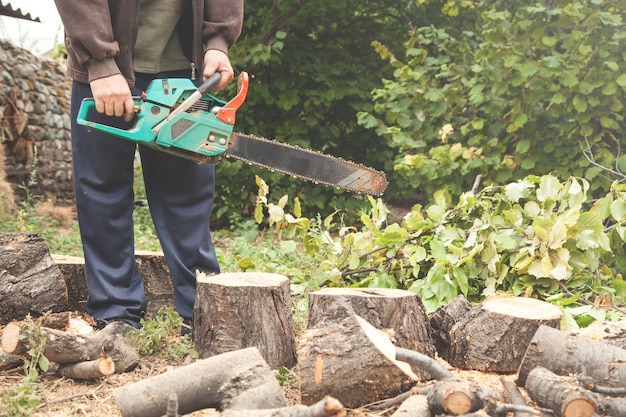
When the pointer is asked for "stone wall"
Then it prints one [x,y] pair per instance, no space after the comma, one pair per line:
[35,125]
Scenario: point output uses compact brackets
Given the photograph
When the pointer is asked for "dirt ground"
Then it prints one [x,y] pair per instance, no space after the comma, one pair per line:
[63,397]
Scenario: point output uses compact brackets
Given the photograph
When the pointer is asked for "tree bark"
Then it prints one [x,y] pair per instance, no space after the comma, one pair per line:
[492,336]
[397,311]
[8,361]
[239,310]
[565,354]
[64,347]
[560,394]
[352,361]
[30,282]
[235,380]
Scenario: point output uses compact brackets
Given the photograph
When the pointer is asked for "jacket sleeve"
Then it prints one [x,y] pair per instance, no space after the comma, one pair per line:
[223,21]
[89,31]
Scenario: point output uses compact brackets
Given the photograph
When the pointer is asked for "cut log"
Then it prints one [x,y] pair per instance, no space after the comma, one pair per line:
[492,336]
[352,361]
[611,332]
[515,397]
[235,380]
[328,407]
[62,347]
[603,363]
[88,370]
[398,311]
[30,282]
[67,321]
[457,397]
[560,394]
[8,361]
[239,310]
[154,270]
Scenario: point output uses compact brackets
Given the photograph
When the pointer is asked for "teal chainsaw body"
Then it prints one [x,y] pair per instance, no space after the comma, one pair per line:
[175,116]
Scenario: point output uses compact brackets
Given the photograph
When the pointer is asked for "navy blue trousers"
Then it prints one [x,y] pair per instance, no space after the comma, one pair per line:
[180,197]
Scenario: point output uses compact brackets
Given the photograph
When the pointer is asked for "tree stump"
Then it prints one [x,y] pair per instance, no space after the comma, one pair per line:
[492,336]
[565,354]
[154,270]
[239,310]
[397,311]
[235,380]
[352,361]
[30,282]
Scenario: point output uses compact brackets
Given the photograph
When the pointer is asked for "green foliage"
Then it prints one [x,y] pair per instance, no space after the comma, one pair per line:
[527,89]
[312,68]
[536,237]
[22,399]
[161,337]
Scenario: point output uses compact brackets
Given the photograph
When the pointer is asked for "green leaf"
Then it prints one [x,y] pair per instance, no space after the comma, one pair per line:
[288,246]
[621,80]
[580,104]
[528,69]
[558,98]
[618,210]
[522,146]
[569,79]
[549,188]
[504,242]
[43,363]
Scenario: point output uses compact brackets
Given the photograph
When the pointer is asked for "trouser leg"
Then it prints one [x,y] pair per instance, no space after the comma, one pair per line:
[103,181]
[180,197]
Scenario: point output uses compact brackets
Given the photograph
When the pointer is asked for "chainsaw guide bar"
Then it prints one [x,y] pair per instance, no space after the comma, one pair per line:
[306,164]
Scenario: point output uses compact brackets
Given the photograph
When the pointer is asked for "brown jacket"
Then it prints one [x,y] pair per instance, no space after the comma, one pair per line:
[100,34]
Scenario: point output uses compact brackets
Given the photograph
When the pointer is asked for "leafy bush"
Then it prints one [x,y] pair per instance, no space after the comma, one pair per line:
[531,88]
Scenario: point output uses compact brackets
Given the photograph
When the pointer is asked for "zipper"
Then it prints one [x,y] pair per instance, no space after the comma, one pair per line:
[193,71]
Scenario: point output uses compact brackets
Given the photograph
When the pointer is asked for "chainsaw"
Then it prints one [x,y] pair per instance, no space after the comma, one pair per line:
[174,116]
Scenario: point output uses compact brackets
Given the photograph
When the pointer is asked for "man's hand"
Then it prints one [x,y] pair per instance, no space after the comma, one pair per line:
[217,61]
[113,97]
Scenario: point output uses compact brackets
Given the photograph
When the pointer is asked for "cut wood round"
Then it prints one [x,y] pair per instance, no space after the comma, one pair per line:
[492,336]
[399,312]
[88,370]
[564,396]
[601,362]
[239,310]
[235,380]
[30,282]
[352,361]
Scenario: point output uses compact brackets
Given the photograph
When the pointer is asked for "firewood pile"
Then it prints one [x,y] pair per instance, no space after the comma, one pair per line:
[364,350]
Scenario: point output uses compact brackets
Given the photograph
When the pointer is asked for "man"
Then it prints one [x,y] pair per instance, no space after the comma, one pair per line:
[114,49]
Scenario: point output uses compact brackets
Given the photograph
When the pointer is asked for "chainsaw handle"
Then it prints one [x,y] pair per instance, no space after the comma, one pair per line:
[89,103]
[211,82]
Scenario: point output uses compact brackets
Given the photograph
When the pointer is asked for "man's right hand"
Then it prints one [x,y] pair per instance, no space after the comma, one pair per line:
[113,97]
